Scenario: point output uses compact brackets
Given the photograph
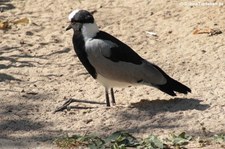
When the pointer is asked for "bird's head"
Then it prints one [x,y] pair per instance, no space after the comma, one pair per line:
[83,21]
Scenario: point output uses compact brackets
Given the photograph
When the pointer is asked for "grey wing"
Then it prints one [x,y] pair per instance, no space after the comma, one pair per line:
[99,53]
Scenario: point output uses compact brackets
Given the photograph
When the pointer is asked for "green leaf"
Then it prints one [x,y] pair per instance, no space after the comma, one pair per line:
[122,139]
[113,136]
[152,142]
[181,139]
[95,142]
[219,138]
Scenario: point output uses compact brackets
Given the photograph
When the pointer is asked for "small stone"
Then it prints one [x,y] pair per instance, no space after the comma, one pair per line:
[29,33]
[99,6]
[88,121]
[32,93]
[22,42]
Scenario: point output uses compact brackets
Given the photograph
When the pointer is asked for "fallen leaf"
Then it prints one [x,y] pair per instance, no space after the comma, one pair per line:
[23,21]
[4,25]
[209,31]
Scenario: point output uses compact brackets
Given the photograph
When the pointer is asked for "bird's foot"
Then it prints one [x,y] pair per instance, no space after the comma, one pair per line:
[71,100]
[65,105]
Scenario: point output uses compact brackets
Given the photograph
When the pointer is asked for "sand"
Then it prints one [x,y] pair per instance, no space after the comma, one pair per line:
[39,71]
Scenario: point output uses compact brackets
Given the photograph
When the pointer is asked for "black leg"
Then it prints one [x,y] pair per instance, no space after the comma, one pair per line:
[107,97]
[112,96]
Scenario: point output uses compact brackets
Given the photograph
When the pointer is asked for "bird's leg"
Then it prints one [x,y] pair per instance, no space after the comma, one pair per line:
[112,96]
[107,97]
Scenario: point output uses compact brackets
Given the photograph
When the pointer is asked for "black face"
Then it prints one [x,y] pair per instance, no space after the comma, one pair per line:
[82,16]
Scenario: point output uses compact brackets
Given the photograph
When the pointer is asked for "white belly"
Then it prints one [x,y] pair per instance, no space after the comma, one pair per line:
[111,83]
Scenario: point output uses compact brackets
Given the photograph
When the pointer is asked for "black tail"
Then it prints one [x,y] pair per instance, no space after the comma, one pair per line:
[172,85]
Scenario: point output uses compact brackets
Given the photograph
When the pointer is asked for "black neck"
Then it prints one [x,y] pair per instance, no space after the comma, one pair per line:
[79,47]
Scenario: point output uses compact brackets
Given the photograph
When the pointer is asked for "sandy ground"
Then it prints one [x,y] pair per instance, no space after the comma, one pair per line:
[39,71]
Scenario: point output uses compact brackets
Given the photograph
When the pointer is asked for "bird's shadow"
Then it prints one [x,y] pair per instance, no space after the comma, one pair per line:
[171,105]
[160,113]
[6,77]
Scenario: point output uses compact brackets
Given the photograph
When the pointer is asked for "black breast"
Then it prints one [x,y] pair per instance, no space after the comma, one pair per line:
[79,47]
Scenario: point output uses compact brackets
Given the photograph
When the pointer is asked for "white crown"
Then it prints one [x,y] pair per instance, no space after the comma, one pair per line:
[72,14]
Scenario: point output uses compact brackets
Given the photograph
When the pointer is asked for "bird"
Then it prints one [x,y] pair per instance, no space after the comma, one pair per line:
[112,62]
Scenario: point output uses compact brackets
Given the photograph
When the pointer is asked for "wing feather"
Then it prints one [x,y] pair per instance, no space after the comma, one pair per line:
[114,60]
